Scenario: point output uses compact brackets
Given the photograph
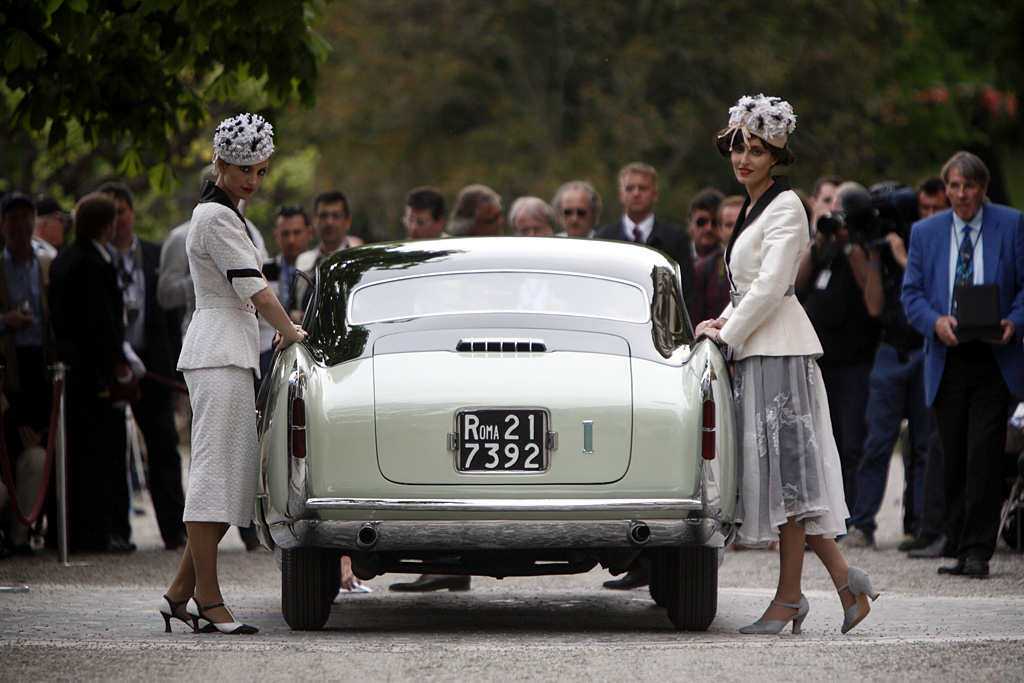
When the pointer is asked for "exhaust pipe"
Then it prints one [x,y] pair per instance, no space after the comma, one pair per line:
[368,536]
[639,533]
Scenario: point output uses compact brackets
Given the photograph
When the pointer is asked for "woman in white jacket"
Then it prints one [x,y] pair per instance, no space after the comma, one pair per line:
[219,357]
[791,486]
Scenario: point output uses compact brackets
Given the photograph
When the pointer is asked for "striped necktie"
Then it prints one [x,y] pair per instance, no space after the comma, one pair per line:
[964,274]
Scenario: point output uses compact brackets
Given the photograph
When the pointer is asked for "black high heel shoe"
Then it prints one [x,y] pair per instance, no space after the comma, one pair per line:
[231,627]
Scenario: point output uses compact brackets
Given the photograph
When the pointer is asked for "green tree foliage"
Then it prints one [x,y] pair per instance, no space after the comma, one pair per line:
[524,95]
[521,95]
[137,75]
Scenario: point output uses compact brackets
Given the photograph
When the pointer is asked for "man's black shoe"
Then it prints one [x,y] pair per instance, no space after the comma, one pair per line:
[118,546]
[433,582]
[976,568]
[634,578]
[954,569]
[176,543]
[936,548]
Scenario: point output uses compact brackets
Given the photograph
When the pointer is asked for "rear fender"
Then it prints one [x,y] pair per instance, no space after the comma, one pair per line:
[719,474]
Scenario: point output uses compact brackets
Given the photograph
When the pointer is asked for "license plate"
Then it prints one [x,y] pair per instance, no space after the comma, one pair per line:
[496,440]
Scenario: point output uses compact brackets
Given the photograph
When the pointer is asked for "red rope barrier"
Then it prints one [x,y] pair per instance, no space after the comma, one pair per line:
[5,463]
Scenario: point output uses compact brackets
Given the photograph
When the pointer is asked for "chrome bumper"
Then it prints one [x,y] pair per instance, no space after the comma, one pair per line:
[406,535]
[618,506]
[698,521]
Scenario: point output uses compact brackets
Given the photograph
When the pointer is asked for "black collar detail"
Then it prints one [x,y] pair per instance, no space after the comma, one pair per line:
[212,193]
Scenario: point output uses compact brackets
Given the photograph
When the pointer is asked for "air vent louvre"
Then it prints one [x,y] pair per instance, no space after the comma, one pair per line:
[501,346]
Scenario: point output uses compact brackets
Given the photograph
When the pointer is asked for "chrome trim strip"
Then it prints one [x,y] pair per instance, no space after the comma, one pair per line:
[638,505]
[411,536]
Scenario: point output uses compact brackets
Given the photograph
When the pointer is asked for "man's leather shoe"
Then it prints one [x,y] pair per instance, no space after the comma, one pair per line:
[634,578]
[118,546]
[954,569]
[433,582]
[176,543]
[975,567]
[937,548]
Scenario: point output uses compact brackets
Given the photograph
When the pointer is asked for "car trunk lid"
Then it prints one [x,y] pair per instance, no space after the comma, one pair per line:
[508,388]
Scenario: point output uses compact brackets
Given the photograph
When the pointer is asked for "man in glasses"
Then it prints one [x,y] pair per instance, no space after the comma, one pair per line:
[712,283]
[424,214]
[578,206]
[332,220]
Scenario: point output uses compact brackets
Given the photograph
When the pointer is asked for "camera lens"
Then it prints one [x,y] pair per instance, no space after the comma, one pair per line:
[830,223]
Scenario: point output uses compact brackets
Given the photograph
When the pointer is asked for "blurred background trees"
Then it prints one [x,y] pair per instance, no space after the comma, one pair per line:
[521,95]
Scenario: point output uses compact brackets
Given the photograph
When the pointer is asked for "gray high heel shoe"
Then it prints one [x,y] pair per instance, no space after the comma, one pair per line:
[772,626]
[860,585]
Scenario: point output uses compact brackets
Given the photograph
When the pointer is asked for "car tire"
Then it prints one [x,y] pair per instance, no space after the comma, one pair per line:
[658,571]
[310,578]
[691,586]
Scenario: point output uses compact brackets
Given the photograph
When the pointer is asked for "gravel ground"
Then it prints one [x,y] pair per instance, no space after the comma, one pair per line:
[99,622]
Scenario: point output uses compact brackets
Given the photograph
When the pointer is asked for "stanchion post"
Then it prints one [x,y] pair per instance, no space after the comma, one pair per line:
[59,371]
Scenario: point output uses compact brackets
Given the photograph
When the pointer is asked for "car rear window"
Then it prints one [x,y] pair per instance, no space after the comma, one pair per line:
[499,292]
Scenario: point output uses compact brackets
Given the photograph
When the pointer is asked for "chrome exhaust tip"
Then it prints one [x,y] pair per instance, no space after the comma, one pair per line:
[639,533]
[367,536]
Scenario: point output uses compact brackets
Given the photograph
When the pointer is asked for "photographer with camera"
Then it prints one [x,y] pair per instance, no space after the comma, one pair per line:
[840,285]
[897,379]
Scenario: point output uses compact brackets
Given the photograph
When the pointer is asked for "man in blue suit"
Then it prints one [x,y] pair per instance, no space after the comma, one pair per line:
[970,385]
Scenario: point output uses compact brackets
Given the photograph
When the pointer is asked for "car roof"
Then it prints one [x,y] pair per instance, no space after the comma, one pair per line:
[603,258]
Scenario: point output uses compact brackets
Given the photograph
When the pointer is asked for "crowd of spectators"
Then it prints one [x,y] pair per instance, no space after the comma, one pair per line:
[114,307]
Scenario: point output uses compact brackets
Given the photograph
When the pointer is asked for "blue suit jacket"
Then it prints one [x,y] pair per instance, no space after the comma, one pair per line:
[926,294]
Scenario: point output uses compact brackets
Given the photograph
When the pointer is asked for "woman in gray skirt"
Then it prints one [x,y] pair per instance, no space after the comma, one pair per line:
[218,358]
[791,486]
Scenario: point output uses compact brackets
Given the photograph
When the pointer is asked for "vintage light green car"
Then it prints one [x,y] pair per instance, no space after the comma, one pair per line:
[501,407]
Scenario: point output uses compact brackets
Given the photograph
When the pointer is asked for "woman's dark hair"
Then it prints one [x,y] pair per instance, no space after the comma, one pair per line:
[783,156]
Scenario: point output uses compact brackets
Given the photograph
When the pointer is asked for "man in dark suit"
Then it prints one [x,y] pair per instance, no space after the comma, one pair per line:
[969,384]
[151,332]
[88,323]
[638,191]
[292,234]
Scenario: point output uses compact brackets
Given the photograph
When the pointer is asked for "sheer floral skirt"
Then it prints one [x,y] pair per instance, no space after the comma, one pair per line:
[789,464]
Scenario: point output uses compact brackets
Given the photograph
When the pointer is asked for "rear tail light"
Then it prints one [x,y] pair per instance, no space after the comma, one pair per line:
[297,415]
[707,421]
[707,439]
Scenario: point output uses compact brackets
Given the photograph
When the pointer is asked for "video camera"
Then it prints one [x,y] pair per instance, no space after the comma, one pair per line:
[869,217]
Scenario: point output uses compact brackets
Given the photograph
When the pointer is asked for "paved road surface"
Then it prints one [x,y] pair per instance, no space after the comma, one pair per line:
[99,622]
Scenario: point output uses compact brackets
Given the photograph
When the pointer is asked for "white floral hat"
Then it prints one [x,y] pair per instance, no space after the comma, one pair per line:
[243,140]
[769,118]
